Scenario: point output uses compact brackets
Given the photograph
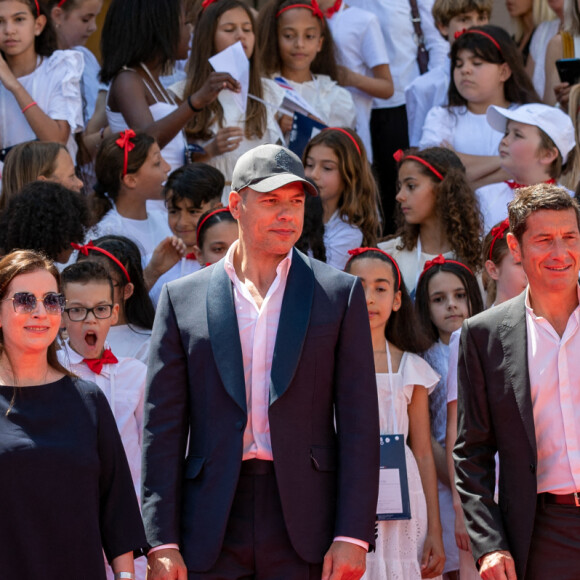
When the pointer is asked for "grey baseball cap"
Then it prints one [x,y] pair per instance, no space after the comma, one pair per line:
[269,167]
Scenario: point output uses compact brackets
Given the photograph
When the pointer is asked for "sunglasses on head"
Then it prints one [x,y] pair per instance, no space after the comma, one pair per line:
[26,302]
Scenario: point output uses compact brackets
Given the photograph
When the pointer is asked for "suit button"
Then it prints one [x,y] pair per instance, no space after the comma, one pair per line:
[240,425]
[532,468]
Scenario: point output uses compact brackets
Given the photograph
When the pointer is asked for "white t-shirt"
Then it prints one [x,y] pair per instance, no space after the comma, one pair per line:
[360,47]
[147,234]
[90,81]
[538,47]
[182,268]
[466,132]
[395,20]
[332,102]
[130,341]
[425,92]
[339,238]
[55,84]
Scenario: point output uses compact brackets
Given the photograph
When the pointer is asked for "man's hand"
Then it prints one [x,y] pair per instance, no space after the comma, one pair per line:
[344,561]
[498,566]
[166,565]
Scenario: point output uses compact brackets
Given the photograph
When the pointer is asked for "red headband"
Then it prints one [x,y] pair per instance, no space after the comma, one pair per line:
[38,8]
[125,143]
[200,224]
[497,233]
[314,8]
[60,3]
[471,31]
[399,157]
[330,12]
[84,250]
[438,261]
[359,251]
[346,133]
[206,3]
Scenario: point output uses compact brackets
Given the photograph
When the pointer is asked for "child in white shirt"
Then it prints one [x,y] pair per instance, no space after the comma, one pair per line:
[90,311]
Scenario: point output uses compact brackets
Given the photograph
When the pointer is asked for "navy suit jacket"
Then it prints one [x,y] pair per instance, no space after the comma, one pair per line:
[323,413]
[495,414]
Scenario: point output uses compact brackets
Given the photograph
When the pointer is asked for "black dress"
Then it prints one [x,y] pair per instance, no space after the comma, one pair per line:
[65,483]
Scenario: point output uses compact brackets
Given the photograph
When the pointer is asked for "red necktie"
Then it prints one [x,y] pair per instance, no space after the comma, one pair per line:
[96,364]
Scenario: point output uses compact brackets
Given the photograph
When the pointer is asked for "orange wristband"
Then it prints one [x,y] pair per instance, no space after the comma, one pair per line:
[28,106]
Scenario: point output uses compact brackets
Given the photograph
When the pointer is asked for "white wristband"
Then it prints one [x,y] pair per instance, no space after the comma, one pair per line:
[128,575]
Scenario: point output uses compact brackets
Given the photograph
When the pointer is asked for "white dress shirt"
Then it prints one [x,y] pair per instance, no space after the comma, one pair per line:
[554,368]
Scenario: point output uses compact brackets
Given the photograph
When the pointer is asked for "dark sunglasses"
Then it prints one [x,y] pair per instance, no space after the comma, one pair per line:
[26,302]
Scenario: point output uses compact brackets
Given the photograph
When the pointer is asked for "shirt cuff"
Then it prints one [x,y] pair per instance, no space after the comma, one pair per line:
[361,543]
[163,547]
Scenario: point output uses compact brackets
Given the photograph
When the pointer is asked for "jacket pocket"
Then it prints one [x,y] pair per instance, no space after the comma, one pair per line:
[323,458]
[193,466]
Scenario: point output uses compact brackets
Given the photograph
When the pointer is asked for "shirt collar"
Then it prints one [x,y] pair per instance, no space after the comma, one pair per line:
[76,359]
[281,270]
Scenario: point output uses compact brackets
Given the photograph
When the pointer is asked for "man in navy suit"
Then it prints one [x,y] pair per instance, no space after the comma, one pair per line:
[261,444]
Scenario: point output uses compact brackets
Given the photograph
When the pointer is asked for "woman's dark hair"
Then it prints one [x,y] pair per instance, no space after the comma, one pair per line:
[85,272]
[209,219]
[138,307]
[267,38]
[45,217]
[312,237]
[26,262]
[45,43]
[198,182]
[402,328]
[199,69]
[137,31]
[109,170]
[25,163]
[469,282]
[518,88]
[456,206]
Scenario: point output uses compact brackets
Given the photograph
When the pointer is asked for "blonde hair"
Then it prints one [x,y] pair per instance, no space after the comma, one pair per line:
[571,174]
[541,12]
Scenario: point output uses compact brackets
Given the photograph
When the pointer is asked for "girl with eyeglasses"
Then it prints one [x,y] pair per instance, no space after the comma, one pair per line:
[63,469]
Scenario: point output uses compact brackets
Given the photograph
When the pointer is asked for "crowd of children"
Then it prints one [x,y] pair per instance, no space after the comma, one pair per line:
[120,173]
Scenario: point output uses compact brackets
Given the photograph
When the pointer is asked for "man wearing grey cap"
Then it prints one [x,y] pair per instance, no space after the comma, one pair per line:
[261,443]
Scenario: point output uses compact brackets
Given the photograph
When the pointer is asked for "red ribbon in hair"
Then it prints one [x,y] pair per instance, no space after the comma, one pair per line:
[314,8]
[471,31]
[358,251]
[125,143]
[96,364]
[497,233]
[84,250]
[333,9]
[399,156]
[440,260]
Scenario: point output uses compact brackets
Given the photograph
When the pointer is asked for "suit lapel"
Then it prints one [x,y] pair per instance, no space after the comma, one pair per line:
[224,335]
[513,336]
[293,324]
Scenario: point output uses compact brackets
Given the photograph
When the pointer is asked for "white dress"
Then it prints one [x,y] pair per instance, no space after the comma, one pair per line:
[399,544]
[55,84]
[339,238]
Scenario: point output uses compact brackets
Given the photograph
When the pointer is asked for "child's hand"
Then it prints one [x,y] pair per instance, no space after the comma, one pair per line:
[164,257]
[562,92]
[461,536]
[7,77]
[227,139]
[214,84]
[285,122]
[433,558]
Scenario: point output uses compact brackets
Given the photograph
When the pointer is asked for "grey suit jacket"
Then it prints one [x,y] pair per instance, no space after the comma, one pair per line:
[322,375]
[495,414]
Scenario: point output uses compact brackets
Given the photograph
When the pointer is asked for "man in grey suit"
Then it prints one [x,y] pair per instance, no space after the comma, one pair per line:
[519,395]
[261,445]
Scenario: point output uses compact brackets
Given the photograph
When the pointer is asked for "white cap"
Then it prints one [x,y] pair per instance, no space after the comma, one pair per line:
[552,121]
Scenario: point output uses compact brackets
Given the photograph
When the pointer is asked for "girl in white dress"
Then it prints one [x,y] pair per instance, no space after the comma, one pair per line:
[486,69]
[336,161]
[40,87]
[296,43]
[405,549]
[439,213]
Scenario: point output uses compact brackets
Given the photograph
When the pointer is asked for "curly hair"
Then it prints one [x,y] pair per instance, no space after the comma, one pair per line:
[456,205]
[199,69]
[267,38]
[359,203]
[45,217]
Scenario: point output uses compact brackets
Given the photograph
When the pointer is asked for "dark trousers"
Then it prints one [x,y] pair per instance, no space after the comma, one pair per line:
[555,548]
[256,543]
[389,132]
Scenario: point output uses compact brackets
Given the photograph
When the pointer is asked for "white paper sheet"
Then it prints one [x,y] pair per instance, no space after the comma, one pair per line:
[233,60]
[390,498]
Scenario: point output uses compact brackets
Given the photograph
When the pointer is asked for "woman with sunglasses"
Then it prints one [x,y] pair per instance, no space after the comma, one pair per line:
[64,478]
